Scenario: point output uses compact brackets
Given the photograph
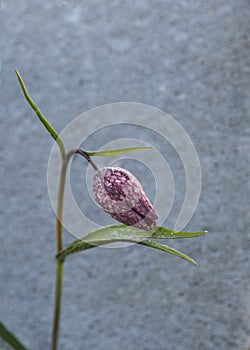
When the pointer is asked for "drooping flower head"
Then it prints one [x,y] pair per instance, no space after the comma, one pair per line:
[121,195]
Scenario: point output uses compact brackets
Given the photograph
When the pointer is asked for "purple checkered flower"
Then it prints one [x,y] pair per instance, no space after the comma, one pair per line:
[121,195]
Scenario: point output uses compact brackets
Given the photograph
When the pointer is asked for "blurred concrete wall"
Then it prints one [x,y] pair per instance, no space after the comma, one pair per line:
[188,58]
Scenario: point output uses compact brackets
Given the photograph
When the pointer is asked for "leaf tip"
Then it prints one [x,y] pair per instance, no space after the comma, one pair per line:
[17,73]
[20,79]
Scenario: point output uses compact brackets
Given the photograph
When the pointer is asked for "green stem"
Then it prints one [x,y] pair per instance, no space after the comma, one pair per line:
[60,264]
[61,192]
[60,205]
[57,308]
[59,227]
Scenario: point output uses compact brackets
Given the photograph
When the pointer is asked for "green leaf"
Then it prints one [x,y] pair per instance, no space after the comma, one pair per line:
[113,152]
[10,339]
[167,233]
[116,232]
[124,233]
[168,249]
[121,230]
[102,236]
[44,121]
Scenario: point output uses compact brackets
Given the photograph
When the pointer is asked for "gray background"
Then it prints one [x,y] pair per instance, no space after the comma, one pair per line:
[189,58]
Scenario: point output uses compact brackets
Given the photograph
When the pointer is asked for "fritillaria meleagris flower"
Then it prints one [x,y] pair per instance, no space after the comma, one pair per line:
[121,195]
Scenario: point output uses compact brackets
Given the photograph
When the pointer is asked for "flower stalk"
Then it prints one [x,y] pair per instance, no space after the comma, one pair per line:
[59,227]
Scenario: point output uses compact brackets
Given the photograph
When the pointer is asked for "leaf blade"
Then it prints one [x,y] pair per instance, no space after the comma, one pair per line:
[122,233]
[161,232]
[167,249]
[42,118]
[10,338]
[113,152]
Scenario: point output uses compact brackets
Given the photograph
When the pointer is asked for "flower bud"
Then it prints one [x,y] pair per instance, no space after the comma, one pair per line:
[121,195]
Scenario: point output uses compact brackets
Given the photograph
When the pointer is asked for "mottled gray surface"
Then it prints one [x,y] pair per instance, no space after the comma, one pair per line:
[189,58]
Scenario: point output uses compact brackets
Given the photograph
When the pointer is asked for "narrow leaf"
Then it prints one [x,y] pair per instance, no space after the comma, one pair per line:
[113,152]
[10,339]
[121,230]
[120,233]
[167,233]
[44,121]
[167,249]
[117,231]
[104,235]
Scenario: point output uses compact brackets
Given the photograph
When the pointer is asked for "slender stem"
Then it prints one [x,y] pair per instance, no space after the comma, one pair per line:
[61,191]
[60,205]
[86,156]
[58,298]
[60,264]
[59,227]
